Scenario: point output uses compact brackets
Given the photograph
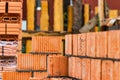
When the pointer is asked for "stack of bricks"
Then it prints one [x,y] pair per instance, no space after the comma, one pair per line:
[52,48]
[94,55]
[10,25]
[43,63]
[10,33]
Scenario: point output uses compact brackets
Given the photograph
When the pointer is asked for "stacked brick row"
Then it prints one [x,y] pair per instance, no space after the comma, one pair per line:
[94,56]
[10,33]
[10,25]
[44,63]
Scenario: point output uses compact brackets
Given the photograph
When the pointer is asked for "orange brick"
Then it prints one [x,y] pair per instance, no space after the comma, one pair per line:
[73,67]
[68,44]
[33,78]
[12,25]
[40,75]
[91,44]
[11,11]
[8,50]
[75,44]
[56,66]
[31,62]
[116,74]
[107,70]
[47,44]
[15,4]
[85,69]
[56,69]
[78,67]
[82,44]
[16,75]
[95,69]
[9,68]
[2,7]
[12,33]
[114,44]
[64,68]
[101,44]
[70,66]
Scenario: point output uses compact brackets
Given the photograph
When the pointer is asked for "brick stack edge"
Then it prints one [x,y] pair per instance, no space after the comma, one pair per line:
[97,54]
[10,33]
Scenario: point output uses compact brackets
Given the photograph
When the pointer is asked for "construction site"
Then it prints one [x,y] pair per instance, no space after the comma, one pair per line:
[59,40]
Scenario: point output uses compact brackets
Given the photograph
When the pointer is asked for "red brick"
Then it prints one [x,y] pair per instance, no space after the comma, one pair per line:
[82,44]
[85,69]
[91,44]
[101,44]
[75,44]
[107,70]
[68,44]
[116,71]
[95,69]
[114,44]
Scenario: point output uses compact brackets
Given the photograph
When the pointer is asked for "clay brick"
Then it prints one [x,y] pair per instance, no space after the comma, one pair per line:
[2,25]
[16,75]
[31,62]
[91,44]
[95,69]
[114,44]
[47,44]
[9,68]
[56,66]
[56,69]
[64,68]
[70,66]
[73,67]
[75,44]
[15,4]
[8,50]
[2,7]
[107,70]
[2,30]
[101,44]
[68,44]
[11,11]
[82,44]
[40,75]
[78,68]
[116,74]
[86,69]
[33,78]
[11,25]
